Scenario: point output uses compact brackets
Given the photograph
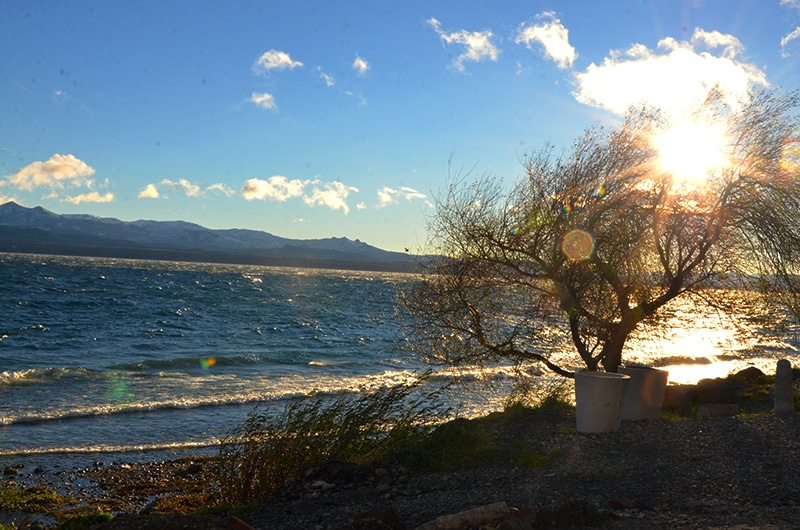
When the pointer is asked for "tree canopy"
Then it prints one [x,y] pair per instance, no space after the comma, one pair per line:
[603,236]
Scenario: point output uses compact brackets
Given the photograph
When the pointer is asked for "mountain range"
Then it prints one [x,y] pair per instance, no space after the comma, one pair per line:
[40,231]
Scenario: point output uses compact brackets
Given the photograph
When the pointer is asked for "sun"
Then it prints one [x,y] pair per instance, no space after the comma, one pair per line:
[691,151]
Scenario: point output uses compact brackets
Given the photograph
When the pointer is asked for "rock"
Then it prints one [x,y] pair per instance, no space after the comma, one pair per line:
[522,519]
[194,468]
[488,515]
[12,471]
[718,390]
[322,485]
[748,375]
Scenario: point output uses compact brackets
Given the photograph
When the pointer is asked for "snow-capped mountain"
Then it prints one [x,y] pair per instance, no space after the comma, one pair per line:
[41,231]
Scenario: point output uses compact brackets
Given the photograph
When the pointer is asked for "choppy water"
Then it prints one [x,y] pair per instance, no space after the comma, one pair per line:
[104,357]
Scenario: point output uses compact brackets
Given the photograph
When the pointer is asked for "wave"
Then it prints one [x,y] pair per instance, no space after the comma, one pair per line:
[277,396]
[108,448]
[35,376]
[190,362]
[148,407]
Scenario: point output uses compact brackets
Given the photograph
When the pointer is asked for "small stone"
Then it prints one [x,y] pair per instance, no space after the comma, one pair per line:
[322,485]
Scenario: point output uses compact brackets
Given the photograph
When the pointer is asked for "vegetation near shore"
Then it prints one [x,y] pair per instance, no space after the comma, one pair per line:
[400,424]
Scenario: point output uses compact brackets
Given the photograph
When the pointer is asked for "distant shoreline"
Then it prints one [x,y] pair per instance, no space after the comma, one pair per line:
[20,246]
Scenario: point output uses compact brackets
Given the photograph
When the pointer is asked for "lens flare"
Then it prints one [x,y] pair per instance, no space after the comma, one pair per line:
[118,388]
[207,363]
[577,245]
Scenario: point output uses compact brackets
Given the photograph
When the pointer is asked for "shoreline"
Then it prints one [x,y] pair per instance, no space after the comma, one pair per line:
[679,471]
[688,473]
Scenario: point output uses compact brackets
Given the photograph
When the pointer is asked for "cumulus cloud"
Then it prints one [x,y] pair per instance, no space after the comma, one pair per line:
[477,44]
[221,188]
[387,195]
[92,196]
[182,186]
[276,188]
[149,192]
[674,78]
[58,172]
[279,188]
[333,195]
[360,65]
[263,100]
[552,36]
[275,60]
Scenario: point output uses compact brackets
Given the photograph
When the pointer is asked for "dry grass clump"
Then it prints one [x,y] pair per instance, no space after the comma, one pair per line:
[257,458]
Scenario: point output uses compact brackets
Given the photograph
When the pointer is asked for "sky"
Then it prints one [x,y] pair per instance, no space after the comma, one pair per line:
[317,119]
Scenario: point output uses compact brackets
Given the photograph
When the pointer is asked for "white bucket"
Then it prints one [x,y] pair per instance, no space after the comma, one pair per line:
[644,393]
[598,400]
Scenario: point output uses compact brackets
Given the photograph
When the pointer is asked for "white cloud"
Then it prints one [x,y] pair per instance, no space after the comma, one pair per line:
[794,35]
[553,37]
[184,186]
[222,188]
[387,195]
[92,196]
[477,44]
[360,65]
[329,81]
[714,39]
[791,3]
[263,100]
[58,171]
[149,192]
[279,188]
[361,206]
[333,195]
[273,60]
[276,188]
[674,78]
[362,101]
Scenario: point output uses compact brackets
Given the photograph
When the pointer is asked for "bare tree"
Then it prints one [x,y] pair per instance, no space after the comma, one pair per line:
[599,239]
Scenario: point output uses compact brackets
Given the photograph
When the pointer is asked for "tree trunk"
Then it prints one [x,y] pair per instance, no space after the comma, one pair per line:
[612,350]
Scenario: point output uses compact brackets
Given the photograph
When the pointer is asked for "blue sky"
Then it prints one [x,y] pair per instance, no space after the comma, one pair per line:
[341,119]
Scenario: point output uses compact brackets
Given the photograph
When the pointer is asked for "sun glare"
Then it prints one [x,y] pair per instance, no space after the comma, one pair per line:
[691,151]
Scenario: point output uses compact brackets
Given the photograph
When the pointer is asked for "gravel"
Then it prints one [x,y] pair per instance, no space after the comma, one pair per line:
[737,472]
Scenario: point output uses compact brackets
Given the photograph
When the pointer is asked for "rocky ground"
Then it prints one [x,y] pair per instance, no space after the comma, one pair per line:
[738,471]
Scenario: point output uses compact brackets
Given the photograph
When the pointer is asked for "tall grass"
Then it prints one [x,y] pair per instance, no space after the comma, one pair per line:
[258,457]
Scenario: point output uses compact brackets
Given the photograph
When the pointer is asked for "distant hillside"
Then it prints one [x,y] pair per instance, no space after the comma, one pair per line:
[40,231]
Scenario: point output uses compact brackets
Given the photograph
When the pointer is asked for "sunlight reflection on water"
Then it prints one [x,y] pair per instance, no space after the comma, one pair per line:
[693,342]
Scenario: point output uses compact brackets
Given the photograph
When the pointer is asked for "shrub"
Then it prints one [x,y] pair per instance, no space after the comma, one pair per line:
[34,499]
[258,457]
[85,520]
